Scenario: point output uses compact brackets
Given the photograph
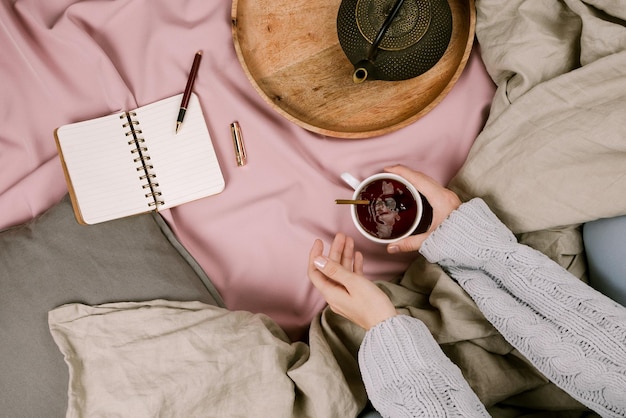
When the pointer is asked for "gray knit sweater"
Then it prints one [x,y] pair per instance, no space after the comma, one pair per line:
[573,334]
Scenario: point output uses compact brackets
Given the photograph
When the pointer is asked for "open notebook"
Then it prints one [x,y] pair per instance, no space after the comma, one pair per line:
[133,162]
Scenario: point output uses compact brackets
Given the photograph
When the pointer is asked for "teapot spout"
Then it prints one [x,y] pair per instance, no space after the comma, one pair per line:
[363,70]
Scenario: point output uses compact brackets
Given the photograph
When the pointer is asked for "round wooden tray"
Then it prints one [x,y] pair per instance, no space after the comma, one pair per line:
[291,53]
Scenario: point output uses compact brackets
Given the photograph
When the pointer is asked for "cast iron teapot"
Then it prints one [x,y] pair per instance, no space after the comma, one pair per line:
[393,39]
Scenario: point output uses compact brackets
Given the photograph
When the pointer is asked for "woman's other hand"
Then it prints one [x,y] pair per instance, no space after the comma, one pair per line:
[339,277]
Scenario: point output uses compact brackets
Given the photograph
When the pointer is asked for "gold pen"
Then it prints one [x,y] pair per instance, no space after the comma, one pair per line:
[240,149]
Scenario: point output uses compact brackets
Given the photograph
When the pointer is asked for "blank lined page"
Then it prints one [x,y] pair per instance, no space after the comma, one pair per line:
[101,169]
[185,163]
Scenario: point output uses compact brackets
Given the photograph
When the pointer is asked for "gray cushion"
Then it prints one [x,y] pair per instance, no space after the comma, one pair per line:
[53,260]
[605,246]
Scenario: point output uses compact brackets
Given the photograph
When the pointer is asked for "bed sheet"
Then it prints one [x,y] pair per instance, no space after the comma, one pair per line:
[70,60]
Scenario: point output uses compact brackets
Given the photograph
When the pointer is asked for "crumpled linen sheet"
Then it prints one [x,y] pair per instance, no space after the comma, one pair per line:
[69,60]
[189,359]
[552,152]
[552,156]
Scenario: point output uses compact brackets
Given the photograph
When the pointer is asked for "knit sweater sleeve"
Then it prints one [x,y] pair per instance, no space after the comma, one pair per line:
[573,334]
[407,375]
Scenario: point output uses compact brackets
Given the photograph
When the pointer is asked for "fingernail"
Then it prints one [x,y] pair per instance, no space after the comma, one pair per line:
[320,262]
[393,249]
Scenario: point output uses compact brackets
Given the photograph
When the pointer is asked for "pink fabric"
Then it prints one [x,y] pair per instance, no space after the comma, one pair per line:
[69,60]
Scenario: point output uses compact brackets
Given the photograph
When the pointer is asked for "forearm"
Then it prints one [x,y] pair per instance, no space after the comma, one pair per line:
[571,333]
[406,374]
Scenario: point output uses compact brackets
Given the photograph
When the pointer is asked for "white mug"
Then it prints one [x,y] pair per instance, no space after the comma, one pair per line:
[393,212]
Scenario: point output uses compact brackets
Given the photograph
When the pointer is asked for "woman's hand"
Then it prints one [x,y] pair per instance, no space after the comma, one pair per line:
[339,277]
[443,201]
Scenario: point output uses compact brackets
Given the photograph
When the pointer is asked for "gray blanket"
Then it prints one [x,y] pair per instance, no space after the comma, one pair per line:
[52,260]
[552,156]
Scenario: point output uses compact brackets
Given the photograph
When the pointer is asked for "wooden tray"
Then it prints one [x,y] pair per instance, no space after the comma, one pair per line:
[290,51]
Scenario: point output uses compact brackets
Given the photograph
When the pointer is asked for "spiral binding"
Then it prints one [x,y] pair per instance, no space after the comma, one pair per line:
[142,156]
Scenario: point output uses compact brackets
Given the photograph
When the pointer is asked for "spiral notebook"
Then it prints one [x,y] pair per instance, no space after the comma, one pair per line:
[133,162]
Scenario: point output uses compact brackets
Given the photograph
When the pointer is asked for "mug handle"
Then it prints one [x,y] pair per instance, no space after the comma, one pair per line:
[350,180]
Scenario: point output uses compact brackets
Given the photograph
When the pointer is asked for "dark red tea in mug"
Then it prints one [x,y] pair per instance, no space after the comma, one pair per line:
[391,211]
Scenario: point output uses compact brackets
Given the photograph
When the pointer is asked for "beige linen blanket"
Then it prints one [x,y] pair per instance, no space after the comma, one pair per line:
[552,156]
